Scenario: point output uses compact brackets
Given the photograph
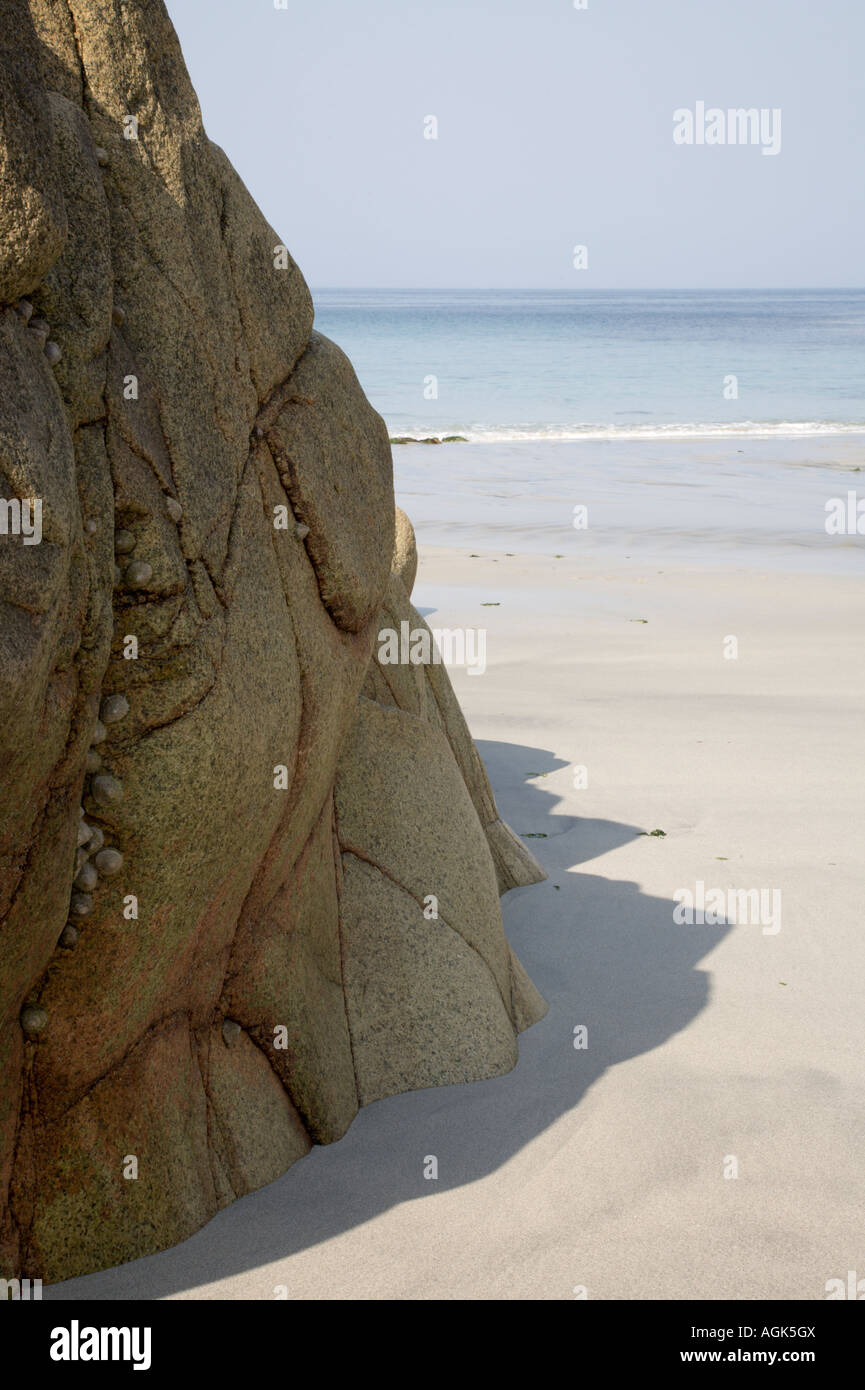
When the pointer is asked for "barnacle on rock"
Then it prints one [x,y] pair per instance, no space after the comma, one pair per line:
[86,879]
[109,862]
[138,574]
[105,789]
[113,709]
[34,1019]
[230,1030]
[96,840]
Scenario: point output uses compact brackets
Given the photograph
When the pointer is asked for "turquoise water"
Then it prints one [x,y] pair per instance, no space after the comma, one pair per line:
[615,402]
[512,364]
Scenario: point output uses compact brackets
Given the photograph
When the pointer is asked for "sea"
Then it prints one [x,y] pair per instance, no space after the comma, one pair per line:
[655,423]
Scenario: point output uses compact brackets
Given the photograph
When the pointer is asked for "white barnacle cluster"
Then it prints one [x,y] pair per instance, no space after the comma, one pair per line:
[133,572]
[94,859]
[40,329]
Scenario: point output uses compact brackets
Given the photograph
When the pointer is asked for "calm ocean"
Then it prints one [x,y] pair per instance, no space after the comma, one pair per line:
[517,364]
[622,401]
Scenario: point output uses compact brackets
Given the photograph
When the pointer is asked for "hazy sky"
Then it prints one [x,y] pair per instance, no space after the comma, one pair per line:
[555,129]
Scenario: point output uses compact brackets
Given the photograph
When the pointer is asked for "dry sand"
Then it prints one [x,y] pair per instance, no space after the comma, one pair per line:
[604,1167]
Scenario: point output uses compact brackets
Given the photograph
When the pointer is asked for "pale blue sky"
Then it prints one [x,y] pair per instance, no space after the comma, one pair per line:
[555,128]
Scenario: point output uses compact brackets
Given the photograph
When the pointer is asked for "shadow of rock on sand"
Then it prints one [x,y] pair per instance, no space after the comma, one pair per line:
[602,953]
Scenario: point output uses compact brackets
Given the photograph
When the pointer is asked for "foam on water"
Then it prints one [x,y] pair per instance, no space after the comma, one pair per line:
[753,429]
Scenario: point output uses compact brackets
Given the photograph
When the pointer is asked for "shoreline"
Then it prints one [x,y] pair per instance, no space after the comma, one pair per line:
[763,505]
[791,432]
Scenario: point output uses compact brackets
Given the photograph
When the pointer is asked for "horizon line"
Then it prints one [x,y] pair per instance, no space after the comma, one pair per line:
[606,289]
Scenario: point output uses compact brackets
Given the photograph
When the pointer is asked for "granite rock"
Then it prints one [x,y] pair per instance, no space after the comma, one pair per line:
[249,958]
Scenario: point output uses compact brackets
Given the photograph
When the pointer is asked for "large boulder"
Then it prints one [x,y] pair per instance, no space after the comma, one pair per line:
[222,821]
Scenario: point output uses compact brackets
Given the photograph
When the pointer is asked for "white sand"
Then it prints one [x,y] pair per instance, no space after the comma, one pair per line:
[604,1167]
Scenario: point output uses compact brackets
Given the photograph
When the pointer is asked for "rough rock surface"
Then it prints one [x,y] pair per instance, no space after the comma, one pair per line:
[231,949]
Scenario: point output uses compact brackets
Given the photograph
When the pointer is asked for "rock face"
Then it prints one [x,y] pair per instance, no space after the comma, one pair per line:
[224,823]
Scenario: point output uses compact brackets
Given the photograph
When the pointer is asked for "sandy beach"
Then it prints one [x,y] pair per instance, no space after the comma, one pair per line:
[710,1048]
